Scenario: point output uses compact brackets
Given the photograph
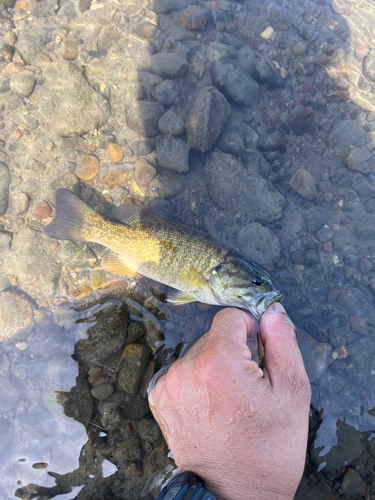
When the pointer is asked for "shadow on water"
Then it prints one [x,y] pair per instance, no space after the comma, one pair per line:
[101,99]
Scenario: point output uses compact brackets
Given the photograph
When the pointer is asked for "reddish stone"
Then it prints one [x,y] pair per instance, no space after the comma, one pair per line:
[42,210]
[327,247]
[358,324]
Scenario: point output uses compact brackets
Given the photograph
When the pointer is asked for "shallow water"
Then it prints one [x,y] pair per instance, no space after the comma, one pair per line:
[283,170]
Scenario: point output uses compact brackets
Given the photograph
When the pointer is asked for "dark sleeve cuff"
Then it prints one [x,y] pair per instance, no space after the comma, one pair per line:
[185,486]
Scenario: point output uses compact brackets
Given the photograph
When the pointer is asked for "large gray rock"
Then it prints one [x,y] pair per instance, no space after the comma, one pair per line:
[173,153]
[345,134]
[73,106]
[143,117]
[234,81]
[4,188]
[169,65]
[259,244]
[206,118]
[231,185]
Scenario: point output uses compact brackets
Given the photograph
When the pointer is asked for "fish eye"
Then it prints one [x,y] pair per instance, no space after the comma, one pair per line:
[255,280]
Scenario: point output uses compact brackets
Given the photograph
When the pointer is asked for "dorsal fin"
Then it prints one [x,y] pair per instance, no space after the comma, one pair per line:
[132,215]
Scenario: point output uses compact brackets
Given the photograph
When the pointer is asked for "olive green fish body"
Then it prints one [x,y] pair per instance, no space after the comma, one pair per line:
[174,254]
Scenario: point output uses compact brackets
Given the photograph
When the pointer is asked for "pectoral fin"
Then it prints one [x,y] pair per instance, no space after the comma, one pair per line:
[114,264]
[177,297]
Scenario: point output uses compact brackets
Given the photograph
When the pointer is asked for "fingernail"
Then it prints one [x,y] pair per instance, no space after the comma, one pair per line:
[277,307]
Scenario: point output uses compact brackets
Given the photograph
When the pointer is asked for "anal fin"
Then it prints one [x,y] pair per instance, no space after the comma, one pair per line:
[176,297]
[114,264]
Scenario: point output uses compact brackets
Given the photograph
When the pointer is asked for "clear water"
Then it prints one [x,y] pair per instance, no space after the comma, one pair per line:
[57,438]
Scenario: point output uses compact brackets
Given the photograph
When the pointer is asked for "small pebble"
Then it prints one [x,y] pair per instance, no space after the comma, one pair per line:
[300,48]
[20,203]
[42,210]
[22,346]
[267,33]
[327,247]
[84,5]
[142,148]
[358,324]
[88,168]
[70,49]
[115,152]
[102,391]
[23,83]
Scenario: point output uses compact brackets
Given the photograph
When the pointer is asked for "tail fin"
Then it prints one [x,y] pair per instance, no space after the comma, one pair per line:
[71,219]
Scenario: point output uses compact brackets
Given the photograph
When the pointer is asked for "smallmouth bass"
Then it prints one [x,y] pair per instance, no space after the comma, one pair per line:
[175,254]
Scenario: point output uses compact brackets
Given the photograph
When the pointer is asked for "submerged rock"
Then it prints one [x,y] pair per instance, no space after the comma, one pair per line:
[206,118]
[169,65]
[259,244]
[235,82]
[173,153]
[316,355]
[74,107]
[303,183]
[233,186]
[4,188]
[144,116]
[133,363]
[16,315]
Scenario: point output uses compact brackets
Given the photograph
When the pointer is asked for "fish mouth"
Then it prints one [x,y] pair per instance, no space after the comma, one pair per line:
[266,299]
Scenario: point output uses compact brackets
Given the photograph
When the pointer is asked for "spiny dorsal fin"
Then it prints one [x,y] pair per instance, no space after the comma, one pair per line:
[176,297]
[114,264]
[132,215]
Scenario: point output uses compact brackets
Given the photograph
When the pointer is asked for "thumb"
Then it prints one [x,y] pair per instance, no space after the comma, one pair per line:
[282,356]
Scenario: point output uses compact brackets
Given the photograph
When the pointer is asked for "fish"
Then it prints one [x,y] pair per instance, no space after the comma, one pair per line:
[178,255]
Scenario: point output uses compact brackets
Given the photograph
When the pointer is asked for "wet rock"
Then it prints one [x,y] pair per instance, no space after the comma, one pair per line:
[234,81]
[84,5]
[365,265]
[216,51]
[104,339]
[74,107]
[168,184]
[364,230]
[170,123]
[136,330]
[352,483]
[300,48]
[23,83]
[30,43]
[5,241]
[344,134]
[31,122]
[303,183]
[102,391]
[316,355]
[231,185]
[206,118]
[9,395]
[259,244]
[194,18]
[232,139]
[166,92]
[358,324]
[293,225]
[70,49]
[16,315]
[88,168]
[165,6]
[142,148]
[267,73]
[273,142]
[115,152]
[4,188]
[42,210]
[350,298]
[37,167]
[144,172]
[133,363]
[324,234]
[169,65]
[361,160]
[121,407]
[115,175]
[149,430]
[299,118]
[172,153]
[4,85]
[143,117]
[368,67]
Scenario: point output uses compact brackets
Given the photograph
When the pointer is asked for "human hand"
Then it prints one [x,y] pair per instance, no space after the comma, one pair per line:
[243,430]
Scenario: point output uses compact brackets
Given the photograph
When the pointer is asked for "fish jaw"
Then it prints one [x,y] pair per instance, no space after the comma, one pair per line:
[262,301]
